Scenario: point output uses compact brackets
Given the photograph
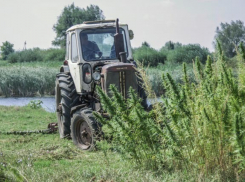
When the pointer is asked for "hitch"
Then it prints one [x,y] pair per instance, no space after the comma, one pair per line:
[52,127]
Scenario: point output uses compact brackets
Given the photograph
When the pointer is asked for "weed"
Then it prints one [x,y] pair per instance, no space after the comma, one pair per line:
[200,125]
[35,104]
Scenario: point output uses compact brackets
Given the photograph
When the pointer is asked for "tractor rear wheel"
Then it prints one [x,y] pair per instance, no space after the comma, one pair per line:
[65,98]
[85,130]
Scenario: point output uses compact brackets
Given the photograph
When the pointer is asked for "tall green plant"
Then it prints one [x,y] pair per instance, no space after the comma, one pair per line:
[199,126]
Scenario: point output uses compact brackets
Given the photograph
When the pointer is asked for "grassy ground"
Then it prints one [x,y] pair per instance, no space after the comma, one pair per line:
[45,157]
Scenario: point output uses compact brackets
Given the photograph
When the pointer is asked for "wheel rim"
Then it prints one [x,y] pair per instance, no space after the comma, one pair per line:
[84,134]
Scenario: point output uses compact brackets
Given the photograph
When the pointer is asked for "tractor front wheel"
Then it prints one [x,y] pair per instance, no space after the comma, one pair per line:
[85,130]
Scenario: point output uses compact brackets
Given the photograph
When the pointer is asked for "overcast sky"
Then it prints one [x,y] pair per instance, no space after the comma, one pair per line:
[154,21]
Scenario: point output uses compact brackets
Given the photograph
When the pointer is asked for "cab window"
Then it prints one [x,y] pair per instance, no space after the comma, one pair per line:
[74,53]
[98,44]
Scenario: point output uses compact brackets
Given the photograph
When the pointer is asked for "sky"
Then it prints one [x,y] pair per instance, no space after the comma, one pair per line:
[154,21]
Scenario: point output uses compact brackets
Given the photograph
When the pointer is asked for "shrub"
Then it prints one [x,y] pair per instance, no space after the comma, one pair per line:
[149,56]
[29,55]
[199,127]
[36,54]
[54,54]
[6,49]
[187,53]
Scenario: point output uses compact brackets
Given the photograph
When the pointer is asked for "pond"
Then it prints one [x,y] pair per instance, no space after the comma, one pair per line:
[48,102]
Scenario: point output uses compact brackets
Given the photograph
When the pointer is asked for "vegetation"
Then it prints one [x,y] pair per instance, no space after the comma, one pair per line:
[171,52]
[6,49]
[154,75]
[230,36]
[199,129]
[39,157]
[73,15]
[149,56]
[187,53]
[27,81]
[37,55]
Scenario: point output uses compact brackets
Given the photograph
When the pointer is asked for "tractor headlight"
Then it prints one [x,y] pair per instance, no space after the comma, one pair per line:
[96,76]
[87,73]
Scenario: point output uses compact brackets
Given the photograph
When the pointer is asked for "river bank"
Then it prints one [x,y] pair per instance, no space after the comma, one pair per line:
[48,103]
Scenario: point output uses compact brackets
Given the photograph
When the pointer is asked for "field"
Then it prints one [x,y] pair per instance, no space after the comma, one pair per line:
[196,134]
[46,157]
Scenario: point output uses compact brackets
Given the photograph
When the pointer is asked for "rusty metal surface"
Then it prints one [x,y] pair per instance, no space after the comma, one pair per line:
[118,67]
[53,127]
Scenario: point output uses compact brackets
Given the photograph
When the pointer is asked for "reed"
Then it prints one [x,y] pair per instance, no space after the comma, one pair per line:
[27,81]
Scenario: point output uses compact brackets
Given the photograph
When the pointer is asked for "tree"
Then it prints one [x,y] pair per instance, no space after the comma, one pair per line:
[229,36]
[6,49]
[149,56]
[187,53]
[73,15]
[169,45]
[146,44]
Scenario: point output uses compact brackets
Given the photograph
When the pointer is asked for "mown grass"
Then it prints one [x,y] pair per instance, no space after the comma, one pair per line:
[46,157]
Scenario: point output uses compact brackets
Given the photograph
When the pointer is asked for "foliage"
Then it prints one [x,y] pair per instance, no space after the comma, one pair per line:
[146,44]
[154,75]
[200,126]
[26,81]
[53,54]
[172,52]
[35,104]
[149,56]
[138,137]
[73,15]
[6,49]
[186,53]
[229,36]
[28,55]
[169,45]
[36,55]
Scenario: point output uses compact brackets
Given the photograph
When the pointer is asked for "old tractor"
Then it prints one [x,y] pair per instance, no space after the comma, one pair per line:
[98,53]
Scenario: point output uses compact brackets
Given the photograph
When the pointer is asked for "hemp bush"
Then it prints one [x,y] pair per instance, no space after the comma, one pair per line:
[200,126]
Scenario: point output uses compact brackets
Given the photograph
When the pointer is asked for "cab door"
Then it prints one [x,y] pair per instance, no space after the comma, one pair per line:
[74,60]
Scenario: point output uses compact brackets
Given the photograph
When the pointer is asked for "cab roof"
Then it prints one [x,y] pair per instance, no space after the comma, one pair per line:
[95,24]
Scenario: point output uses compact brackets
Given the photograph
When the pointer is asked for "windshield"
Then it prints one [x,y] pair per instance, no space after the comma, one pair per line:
[98,44]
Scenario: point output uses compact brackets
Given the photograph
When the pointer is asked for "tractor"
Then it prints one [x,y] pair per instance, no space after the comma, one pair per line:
[98,54]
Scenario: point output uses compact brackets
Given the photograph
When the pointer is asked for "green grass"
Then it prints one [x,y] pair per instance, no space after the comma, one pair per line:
[40,157]
[46,157]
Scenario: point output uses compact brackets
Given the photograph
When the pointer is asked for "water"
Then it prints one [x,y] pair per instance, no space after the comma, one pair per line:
[48,102]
